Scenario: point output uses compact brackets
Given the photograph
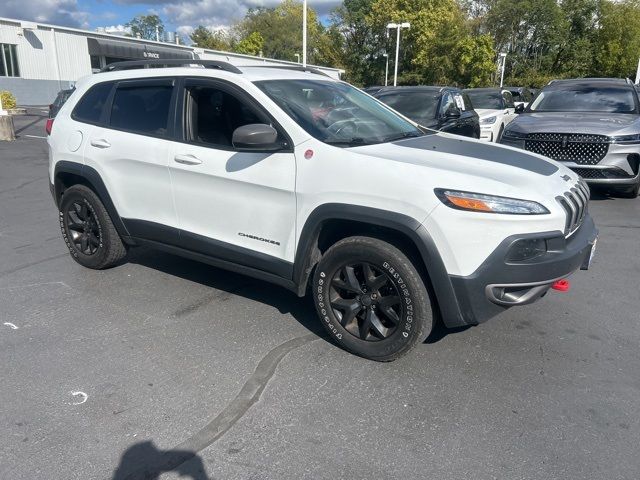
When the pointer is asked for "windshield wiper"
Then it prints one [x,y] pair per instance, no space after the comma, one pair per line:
[400,136]
[349,142]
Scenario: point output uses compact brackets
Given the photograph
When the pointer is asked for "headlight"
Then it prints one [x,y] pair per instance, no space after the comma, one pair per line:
[489,120]
[514,135]
[478,202]
[625,139]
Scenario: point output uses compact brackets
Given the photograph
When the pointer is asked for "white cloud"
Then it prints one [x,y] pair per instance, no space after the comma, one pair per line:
[57,12]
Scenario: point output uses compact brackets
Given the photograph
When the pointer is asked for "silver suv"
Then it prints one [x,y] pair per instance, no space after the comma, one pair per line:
[590,125]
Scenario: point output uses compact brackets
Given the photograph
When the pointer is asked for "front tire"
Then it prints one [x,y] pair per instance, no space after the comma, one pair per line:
[87,229]
[371,299]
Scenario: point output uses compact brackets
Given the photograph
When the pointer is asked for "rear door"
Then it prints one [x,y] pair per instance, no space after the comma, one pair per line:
[238,206]
[130,152]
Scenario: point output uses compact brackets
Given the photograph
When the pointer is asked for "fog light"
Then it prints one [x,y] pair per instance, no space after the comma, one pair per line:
[526,249]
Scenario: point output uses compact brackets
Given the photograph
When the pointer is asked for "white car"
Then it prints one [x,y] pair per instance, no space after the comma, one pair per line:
[294,178]
[495,108]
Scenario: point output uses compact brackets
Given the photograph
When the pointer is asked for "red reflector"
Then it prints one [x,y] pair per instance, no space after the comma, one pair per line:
[308,154]
[561,285]
[49,126]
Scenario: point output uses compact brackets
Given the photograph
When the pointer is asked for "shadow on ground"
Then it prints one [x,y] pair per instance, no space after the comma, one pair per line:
[143,461]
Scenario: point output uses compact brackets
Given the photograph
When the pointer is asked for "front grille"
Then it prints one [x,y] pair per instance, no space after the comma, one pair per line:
[581,148]
[591,173]
[575,203]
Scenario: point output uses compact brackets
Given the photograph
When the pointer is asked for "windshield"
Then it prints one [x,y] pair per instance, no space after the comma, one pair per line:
[488,100]
[337,113]
[585,99]
[418,106]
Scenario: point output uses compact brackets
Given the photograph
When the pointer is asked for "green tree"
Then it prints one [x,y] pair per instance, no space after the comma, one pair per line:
[145,26]
[474,64]
[203,37]
[252,44]
[618,39]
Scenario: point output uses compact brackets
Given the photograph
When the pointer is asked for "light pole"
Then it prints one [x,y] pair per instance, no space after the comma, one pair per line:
[638,73]
[386,68]
[304,33]
[503,60]
[398,26]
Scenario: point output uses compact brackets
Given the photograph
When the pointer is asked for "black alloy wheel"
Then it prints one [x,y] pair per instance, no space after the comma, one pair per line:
[366,301]
[83,227]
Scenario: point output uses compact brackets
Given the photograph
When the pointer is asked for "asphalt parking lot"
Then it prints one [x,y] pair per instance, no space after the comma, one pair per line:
[163,367]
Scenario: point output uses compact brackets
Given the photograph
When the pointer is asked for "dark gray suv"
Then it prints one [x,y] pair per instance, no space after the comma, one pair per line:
[592,125]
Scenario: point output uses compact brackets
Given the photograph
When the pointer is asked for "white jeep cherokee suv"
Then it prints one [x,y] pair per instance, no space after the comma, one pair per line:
[301,180]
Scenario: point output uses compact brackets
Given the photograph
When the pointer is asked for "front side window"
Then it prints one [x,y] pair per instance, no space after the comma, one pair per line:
[142,108]
[448,104]
[508,99]
[486,100]
[90,107]
[9,60]
[337,113]
[598,99]
[213,114]
[418,106]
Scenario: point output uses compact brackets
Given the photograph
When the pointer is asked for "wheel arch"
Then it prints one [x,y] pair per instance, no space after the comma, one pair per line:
[329,223]
[66,174]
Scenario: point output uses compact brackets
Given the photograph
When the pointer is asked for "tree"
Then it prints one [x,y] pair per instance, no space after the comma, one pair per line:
[145,26]
[252,44]
[618,39]
[202,37]
[474,66]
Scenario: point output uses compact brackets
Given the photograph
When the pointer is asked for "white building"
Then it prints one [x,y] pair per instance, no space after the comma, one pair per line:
[38,60]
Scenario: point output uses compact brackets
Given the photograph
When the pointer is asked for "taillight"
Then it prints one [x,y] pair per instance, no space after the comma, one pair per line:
[49,126]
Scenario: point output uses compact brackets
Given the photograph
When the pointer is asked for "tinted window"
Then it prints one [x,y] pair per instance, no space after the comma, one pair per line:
[585,99]
[508,99]
[142,108]
[89,108]
[418,106]
[484,99]
[213,115]
[448,103]
[337,113]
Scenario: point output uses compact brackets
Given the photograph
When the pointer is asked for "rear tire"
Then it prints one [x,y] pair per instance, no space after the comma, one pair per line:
[88,231]
[371,299]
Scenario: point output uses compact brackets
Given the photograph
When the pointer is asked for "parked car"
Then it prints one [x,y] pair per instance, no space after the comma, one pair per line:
[254,170]
[520,95]
[495,108]
[61,98]
[590,125]
[440,108]
[373,89]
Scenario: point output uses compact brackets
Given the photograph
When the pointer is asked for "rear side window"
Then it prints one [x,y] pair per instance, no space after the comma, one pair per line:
[142,108]
[90,107]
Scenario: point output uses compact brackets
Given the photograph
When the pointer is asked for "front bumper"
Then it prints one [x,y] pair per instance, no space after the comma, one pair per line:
[499,284]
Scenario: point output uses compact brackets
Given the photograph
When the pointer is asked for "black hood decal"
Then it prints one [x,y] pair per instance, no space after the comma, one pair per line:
[482,151]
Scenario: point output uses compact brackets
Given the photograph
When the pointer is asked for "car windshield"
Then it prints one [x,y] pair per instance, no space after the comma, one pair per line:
[337,113]
[484,99]
[585,99]
[418,106]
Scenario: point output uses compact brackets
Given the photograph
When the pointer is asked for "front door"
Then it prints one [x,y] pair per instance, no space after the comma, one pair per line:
[238,206]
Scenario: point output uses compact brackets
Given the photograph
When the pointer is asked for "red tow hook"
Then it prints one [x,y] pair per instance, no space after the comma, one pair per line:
[561,285]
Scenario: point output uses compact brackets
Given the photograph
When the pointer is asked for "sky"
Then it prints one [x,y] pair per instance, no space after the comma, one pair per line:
[178,15]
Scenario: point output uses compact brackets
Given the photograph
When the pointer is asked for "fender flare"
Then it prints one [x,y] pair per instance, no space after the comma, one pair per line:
[94,181]
[410,227]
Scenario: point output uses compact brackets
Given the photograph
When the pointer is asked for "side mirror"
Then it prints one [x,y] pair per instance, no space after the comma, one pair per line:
[452,113]
[255,137]
[520,108]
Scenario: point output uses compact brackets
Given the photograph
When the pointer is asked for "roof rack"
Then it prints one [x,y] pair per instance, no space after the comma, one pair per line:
[173,62]
[298,68]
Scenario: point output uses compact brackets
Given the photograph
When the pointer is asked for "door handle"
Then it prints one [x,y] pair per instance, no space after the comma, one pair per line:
[100,143]
[187,159]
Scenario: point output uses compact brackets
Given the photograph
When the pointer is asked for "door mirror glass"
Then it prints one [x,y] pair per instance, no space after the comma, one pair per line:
[520,108]
[452,112]
[255,136]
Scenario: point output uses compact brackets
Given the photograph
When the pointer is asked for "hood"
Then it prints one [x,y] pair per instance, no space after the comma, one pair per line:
[457,162]
[487,112]
[591,123]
